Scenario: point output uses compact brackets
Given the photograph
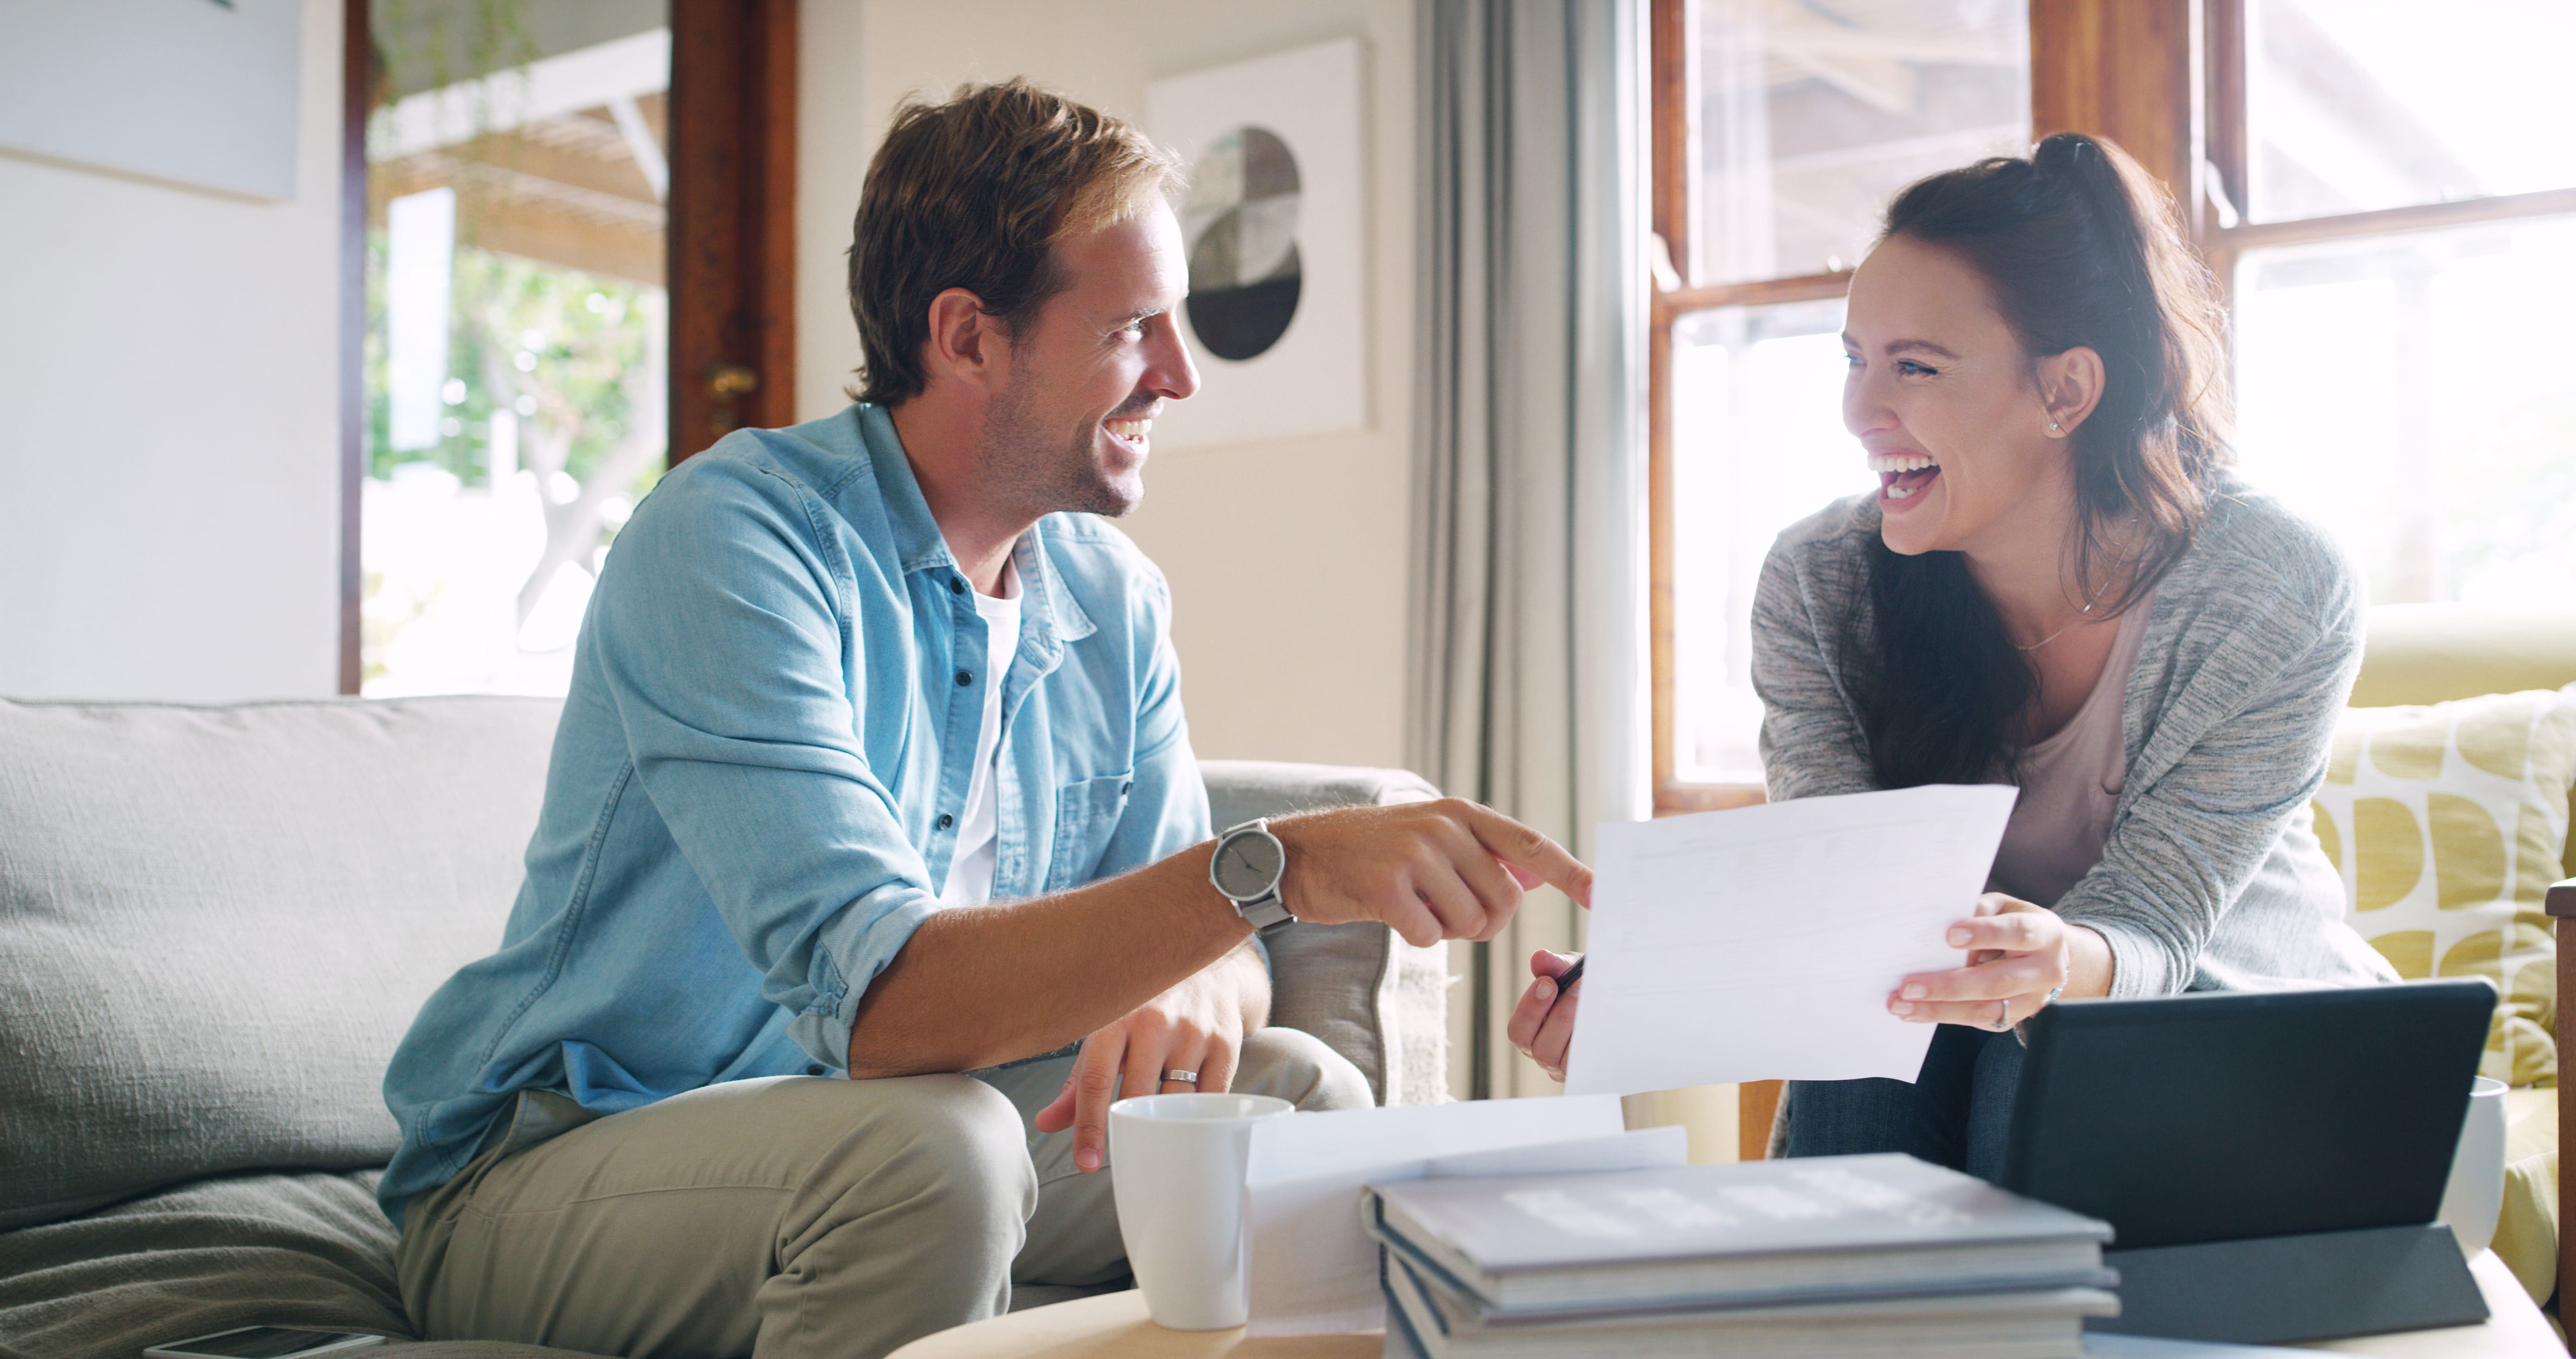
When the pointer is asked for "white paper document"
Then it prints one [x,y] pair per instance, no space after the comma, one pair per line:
[1313,1267]
[1762,944]
[1643,1149]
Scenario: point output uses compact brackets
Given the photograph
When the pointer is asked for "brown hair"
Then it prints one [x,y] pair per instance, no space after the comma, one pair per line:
[973,194]
[2079,246]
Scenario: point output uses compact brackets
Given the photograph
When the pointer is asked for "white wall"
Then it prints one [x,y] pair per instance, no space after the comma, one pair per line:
[1288,559]
[169,500]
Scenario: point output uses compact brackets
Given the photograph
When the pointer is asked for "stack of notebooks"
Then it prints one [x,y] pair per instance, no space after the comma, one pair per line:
[1841,1257]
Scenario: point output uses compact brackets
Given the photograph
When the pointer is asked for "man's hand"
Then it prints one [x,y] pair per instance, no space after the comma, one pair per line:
[995,983]
[2018,954]
[1196,1026]
[1433,870]
[1542,1025]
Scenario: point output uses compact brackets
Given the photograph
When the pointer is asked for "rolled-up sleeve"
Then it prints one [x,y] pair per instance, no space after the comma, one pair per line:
[726,647]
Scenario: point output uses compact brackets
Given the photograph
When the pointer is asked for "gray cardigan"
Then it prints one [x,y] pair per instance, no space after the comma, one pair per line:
[2211,878]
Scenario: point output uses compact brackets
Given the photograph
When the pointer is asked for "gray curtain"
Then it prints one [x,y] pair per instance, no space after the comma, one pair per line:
[1528,602]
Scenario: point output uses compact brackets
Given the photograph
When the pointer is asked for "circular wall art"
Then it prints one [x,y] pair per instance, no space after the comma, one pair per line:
[1245,275]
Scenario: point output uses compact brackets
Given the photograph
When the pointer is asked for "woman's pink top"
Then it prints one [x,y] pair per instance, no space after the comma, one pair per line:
[2069,785]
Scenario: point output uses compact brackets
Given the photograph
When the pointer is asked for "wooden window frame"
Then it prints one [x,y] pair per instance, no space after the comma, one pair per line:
[1673,109]
[2227,152]
[2131,71]
[730,240]
[2164,78]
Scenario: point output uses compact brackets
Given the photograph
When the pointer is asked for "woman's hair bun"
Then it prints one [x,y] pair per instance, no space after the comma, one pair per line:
[2061,154]
[2075,164]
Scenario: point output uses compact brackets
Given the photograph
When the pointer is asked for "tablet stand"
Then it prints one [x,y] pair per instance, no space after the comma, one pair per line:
[2269,1290]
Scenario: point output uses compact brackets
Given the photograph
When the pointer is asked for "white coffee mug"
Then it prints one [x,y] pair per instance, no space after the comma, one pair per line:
[1176,1165]
[2475,1195]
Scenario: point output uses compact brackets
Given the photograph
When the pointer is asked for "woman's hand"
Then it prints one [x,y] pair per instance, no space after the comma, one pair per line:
[1542,1025]
[2018,955]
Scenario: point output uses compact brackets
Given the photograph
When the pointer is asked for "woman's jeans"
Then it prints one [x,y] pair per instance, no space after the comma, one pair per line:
[1956,1113]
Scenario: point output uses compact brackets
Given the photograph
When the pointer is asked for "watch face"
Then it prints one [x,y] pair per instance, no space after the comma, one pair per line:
[1247,865]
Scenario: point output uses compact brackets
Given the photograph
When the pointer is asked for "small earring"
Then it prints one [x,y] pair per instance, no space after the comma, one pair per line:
[2053,429]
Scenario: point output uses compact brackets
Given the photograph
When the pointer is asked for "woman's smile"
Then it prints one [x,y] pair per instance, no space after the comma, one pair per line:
[1902,475]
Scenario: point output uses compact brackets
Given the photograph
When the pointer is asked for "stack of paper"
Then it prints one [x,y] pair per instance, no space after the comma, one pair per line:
[1827,1258]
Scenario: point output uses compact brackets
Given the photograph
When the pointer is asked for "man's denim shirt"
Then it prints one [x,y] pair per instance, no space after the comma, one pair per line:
[754,791]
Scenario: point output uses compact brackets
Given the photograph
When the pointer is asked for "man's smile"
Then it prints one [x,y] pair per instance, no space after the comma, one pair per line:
[1132,434]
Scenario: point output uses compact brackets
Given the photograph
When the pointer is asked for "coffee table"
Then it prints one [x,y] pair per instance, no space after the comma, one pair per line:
[1114,1326]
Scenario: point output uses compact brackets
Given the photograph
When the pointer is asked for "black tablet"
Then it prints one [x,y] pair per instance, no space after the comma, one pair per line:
[2226,1115]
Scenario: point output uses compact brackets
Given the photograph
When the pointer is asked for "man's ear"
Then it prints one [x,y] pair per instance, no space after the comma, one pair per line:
[965,344]
[2070,386]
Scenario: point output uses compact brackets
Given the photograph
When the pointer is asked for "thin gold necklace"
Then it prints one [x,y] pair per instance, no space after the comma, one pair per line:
[2080,616]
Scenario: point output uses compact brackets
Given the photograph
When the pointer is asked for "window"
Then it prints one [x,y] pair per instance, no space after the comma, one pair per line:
[2387,195]
[1781,130]
[517,333]
[2393,207]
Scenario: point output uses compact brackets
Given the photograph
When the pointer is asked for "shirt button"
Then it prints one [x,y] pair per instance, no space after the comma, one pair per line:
[956,586]
[965,678]
[945,821]
[814,1069]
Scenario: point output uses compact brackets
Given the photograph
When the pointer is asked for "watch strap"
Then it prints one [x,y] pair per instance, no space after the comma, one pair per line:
[1268,915]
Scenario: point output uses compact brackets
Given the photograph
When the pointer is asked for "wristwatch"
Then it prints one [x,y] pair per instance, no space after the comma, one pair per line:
[1249,861]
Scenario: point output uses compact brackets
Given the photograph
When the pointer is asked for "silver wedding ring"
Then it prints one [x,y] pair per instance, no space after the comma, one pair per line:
[1185,1077]
[2003,1014]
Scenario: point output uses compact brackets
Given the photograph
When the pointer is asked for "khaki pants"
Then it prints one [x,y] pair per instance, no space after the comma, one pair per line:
[790,1216]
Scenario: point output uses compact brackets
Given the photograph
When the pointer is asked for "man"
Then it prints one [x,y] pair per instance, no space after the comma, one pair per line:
[873,771]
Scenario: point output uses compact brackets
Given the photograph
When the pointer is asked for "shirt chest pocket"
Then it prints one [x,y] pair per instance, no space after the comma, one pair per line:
[1086,815]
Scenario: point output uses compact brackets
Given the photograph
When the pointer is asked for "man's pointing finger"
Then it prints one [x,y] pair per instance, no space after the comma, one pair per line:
[1527,850]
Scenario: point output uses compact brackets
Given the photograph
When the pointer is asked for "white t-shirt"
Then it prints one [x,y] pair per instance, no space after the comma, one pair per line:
[970,866]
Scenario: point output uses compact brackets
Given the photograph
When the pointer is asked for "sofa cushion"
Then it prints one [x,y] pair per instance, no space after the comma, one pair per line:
[217,922]
[1369,995]
[2448,822]
[239,1250]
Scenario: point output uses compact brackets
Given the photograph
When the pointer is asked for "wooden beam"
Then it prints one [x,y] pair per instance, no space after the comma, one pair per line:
[492,217]
[2230,145]
[732,215]
[551,235]
[357,97]
[1674,110]
[1668,29]
[1760,293]
[2413,217]
[2128,71]
[1659,553]
[519,153]
[1756,1109]
[2561,905]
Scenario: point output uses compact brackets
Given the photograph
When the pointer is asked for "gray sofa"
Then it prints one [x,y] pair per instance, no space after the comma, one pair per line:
[215,924]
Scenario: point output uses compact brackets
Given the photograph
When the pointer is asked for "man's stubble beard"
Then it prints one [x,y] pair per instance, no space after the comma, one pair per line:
[1040,469]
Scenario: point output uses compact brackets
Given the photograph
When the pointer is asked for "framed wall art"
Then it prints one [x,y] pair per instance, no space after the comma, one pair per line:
[194,92]
[1277,317]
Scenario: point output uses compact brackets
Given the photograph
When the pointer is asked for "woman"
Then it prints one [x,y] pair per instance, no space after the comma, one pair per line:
[2057,585]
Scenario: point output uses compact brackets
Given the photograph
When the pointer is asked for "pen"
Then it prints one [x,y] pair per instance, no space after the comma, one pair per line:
[1572,974]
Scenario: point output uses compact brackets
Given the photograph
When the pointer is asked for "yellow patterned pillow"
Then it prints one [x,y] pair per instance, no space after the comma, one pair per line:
[2447,823]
